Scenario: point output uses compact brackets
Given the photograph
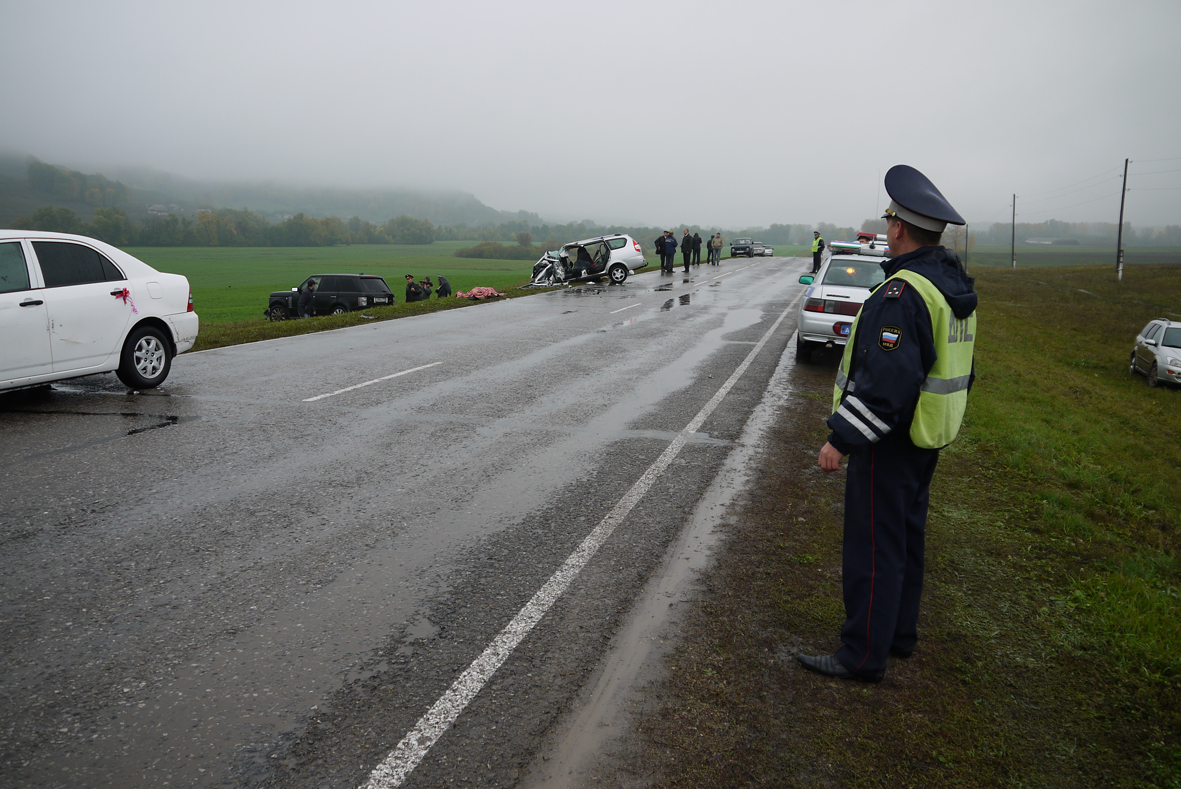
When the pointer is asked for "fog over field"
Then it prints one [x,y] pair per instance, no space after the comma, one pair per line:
[734,114]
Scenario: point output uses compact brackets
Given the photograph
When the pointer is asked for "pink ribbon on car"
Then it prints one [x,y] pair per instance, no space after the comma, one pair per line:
[126,296]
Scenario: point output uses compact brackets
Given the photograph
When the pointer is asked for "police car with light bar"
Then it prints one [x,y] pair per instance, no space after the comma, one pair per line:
[836,292]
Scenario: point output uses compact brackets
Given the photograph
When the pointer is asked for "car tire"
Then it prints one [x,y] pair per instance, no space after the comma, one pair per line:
[145,359]
[1152,379]
[1132,366]
[277,312]
[618,273]
[803,349]
[340,309]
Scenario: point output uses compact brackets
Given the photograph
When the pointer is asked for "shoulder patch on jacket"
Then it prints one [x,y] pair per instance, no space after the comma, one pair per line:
[889,338]
[894,289]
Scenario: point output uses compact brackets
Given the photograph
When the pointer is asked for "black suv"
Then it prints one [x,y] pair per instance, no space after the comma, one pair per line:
[335,293]
[743,247]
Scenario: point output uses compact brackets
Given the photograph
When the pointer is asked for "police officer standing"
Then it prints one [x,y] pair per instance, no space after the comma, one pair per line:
[899,397]
[817,250]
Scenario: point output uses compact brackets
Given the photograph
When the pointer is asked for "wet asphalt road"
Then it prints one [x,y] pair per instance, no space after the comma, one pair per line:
[251,577]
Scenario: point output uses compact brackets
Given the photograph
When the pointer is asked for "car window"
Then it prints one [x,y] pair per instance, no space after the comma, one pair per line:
[350,284]
[65,264]
[374,285]
[854,273]
[1152,330]
[1172,338]
[14,275]
[329,284]
[617,243]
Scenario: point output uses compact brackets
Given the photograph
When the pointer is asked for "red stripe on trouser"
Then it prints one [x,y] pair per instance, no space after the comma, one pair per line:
[873,562]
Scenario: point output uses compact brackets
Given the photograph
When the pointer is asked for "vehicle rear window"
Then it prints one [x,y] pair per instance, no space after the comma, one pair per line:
[854,273]
[14,275]
[617,243]
[329,284]
[374,285]
[350,285]
[1172,338]
[65,264]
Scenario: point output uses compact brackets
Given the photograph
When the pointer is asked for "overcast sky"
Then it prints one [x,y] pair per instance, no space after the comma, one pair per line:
[736,113]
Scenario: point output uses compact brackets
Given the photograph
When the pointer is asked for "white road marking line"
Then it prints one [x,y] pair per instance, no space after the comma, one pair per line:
[430,727]
[621,309]
[370,383]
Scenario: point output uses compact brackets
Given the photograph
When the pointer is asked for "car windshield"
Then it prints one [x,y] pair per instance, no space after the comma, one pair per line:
[1172,338]
[854,273]
[741,241]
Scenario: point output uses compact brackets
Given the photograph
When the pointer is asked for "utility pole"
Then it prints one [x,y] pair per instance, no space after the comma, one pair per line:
[1013,248]
[1119,239]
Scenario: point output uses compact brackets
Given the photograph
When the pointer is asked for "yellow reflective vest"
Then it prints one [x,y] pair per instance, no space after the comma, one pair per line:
[816,242]
[944,394]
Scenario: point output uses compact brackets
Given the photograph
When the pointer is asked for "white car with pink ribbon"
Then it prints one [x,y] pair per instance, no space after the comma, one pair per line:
[72,306]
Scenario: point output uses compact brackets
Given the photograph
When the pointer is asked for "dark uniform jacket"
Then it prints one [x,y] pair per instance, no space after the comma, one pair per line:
[306,301]
[444,287]
[413,292]
[888,382]
[696,243]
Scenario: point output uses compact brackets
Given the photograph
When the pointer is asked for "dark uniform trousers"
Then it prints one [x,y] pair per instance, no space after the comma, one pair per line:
[886,498]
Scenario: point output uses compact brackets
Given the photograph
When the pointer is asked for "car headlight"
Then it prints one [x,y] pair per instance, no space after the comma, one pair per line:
[1174,361]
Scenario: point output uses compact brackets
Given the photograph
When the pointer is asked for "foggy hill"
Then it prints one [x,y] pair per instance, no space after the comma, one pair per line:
[274,201]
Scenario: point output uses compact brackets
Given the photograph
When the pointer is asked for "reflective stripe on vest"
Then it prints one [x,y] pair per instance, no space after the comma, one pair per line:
[943,396]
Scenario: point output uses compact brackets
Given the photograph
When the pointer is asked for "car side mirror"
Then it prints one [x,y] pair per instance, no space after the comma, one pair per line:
[1150,342]
[807,279]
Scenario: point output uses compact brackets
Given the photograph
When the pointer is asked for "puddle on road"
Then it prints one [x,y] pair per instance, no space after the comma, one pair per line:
[603,711]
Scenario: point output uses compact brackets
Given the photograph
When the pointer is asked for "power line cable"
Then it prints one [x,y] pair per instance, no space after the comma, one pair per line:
[1076,191]
[1174,159]
[1156,189]
[1158,172]
[1063,207]
[1105,174]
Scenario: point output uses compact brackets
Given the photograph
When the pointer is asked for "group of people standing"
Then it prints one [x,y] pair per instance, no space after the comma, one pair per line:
[666,249]
[421,291]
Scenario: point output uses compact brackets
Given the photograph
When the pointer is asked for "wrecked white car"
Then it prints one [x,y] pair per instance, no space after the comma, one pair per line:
[615,256]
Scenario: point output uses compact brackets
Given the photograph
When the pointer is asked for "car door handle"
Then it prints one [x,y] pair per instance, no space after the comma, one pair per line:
[118,292]
[36,303]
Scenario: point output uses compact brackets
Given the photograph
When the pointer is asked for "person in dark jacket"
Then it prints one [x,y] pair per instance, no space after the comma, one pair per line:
[428,288]
[670,251]
[696,247]
[307,301]
[444,287]
[898,399]
[413,290]
[686,249]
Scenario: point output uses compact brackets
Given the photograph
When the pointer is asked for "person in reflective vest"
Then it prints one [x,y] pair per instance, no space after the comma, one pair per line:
[899,397]
[817,250]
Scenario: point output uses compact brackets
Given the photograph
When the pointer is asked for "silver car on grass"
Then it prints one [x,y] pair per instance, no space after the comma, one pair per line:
[1157,353]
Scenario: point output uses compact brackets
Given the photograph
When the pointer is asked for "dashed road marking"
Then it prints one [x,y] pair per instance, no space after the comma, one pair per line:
[370,383]
[628,307]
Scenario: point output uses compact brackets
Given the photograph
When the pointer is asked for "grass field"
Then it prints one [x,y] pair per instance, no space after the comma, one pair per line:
[232,283]
[1038,255]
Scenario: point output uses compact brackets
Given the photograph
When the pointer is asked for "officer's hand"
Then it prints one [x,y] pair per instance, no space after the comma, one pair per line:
[830,458]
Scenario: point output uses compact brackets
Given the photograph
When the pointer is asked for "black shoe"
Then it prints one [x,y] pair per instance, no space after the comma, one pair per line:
[829,666]
[901,653]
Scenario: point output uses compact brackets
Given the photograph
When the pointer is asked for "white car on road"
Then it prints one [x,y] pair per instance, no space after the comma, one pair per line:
[73,306]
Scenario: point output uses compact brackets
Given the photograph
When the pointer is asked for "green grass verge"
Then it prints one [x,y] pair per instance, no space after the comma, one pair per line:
[1051,624]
